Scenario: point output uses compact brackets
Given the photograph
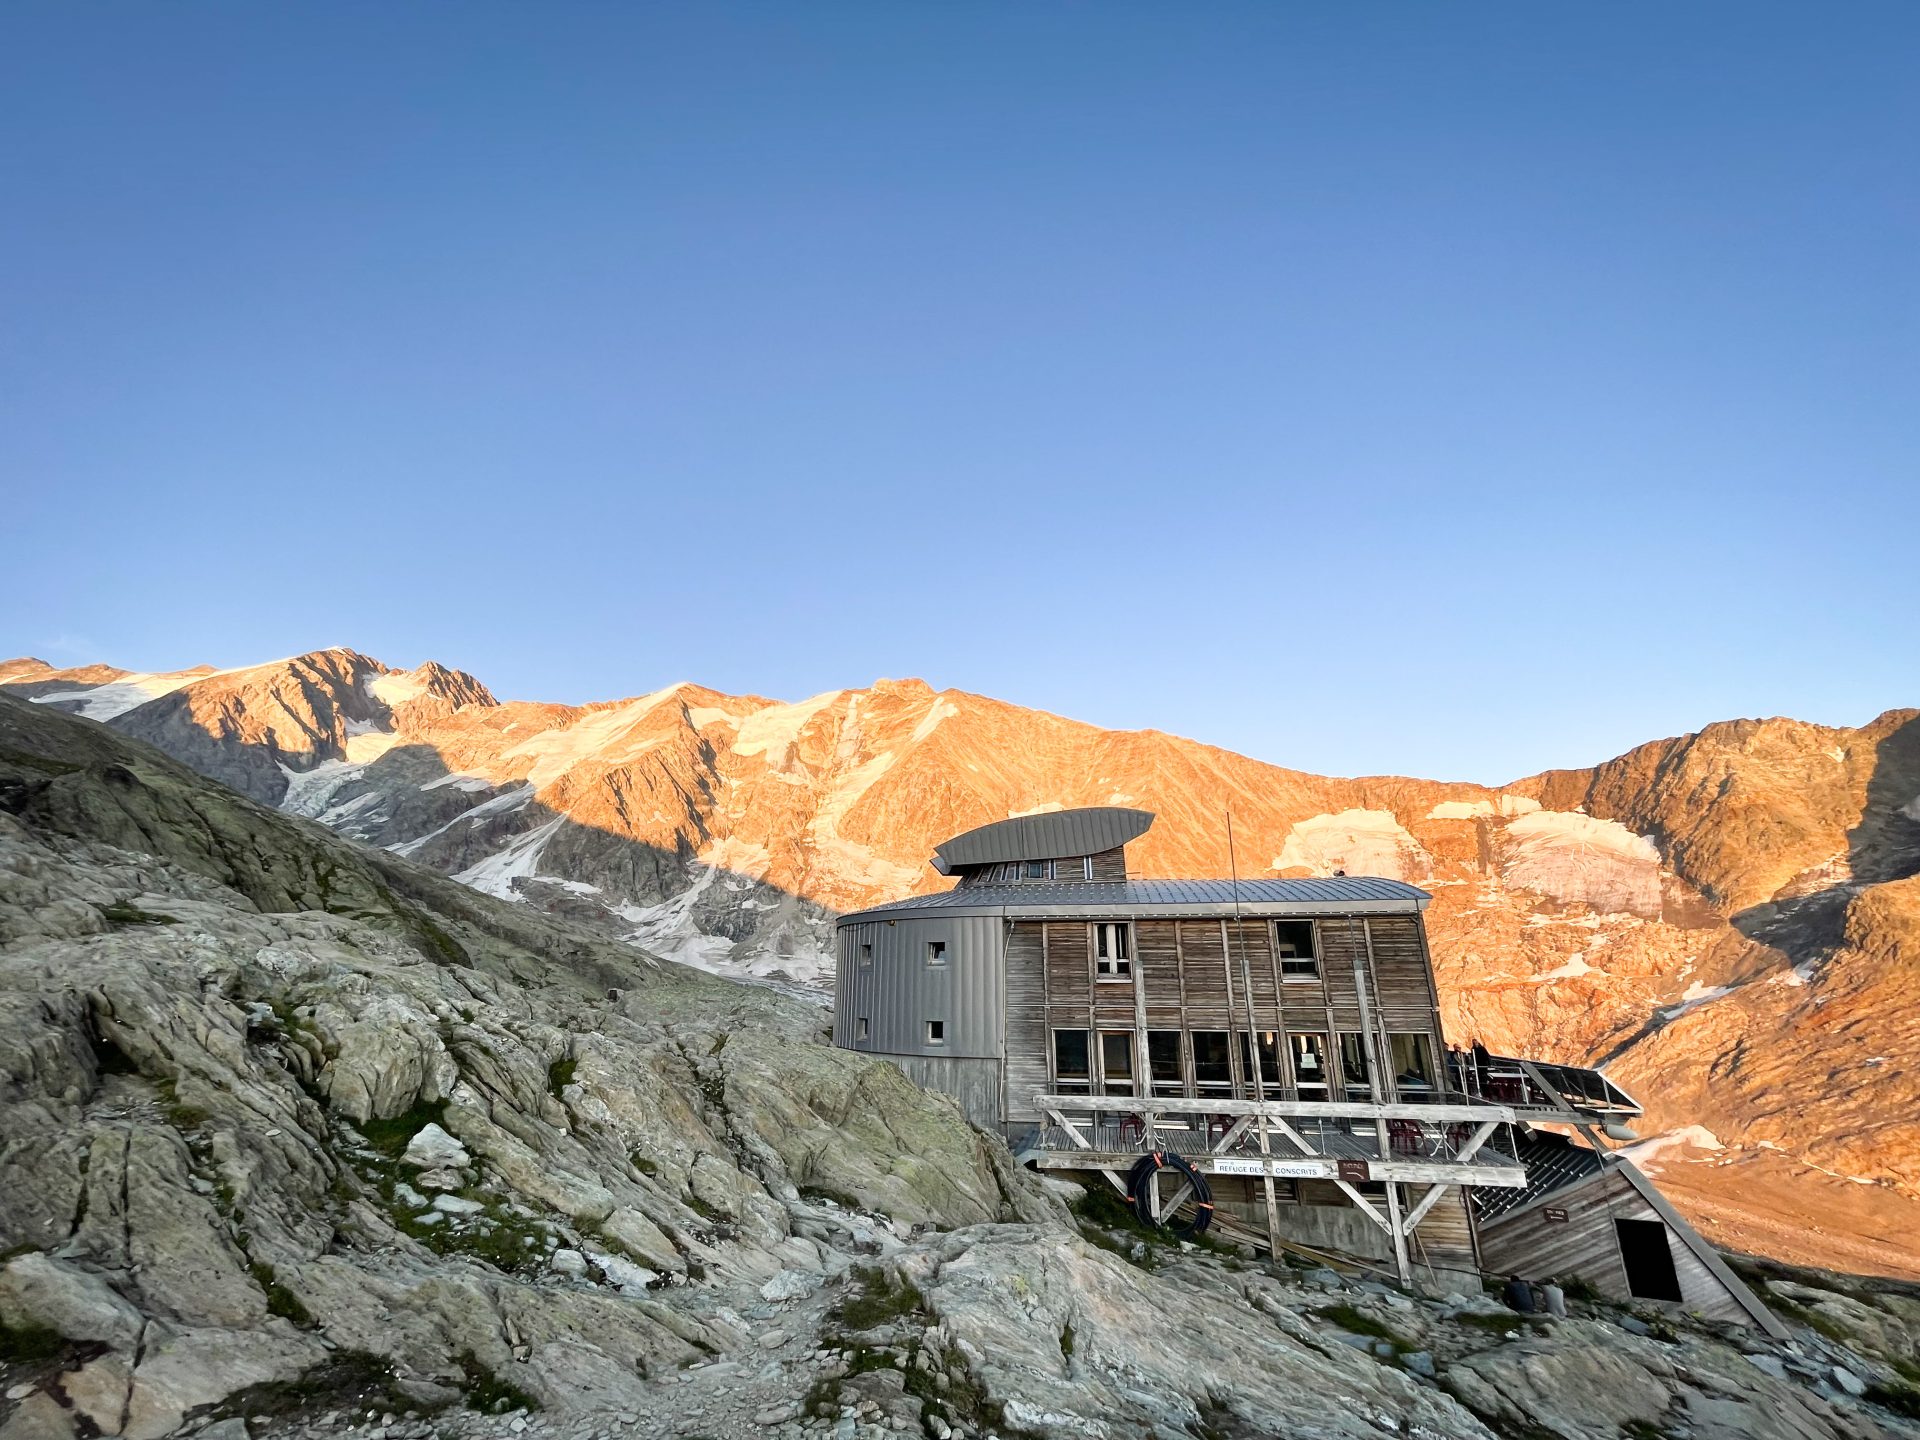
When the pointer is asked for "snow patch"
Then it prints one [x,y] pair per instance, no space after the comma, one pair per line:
[591,736]
[1507,805]
[116,697]
[1692,998]
[309,792]
[1575,967]
[499,805]
[395,689]
[1576,858]
[772,732]
[460,781]
[1691,1137]
[495,874]
[1360,842]
[930,722]
[701,716]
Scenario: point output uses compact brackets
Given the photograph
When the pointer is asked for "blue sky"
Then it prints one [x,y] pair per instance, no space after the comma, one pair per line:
[1448,390]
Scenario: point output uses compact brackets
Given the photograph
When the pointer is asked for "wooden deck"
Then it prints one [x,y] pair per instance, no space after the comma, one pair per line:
[1460,1150]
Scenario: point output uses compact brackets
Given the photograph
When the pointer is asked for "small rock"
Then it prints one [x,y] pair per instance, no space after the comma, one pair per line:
[434,1149]
[457,1205]
[774,1339]
[1768,1365]
[1420,1362]
[790,1285]
[568,1262]
[1843,1377]
[1634,1325]
[19,1392]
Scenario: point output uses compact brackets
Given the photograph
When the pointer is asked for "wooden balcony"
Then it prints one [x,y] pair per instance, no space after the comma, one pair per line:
[1346,1142]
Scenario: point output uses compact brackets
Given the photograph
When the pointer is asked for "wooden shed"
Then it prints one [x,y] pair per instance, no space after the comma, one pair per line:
[1595,1218]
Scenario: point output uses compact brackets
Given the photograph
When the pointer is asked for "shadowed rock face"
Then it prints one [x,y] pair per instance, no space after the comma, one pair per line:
[1679,913]
[279,1111]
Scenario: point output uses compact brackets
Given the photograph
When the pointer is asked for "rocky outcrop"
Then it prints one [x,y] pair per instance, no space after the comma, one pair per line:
[1680,914]
[290,1128]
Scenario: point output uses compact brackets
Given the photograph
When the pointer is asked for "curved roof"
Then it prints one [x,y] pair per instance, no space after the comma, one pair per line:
[1337,895]
[1050,836]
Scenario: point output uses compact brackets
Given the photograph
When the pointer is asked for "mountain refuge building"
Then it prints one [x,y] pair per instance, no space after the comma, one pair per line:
[1274,1046]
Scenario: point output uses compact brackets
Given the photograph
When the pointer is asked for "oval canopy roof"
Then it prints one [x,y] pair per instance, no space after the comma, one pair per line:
[1052,836]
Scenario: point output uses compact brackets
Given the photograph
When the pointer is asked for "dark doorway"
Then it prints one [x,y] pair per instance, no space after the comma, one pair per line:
[1650,1273]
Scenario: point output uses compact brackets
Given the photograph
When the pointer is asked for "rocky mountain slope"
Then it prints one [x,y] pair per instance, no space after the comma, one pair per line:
[1725,919]
[297,1136]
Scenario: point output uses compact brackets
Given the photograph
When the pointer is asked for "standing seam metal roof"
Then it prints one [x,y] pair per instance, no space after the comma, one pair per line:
[1048,836]
[1367,891]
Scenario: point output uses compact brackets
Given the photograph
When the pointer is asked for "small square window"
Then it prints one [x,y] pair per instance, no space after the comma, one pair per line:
[936,1032]
[866,955]
[1039,869]
[936,952]
[860,1028]
[1293,943]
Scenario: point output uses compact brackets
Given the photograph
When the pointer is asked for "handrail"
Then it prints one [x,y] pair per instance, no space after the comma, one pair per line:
[1145,1105]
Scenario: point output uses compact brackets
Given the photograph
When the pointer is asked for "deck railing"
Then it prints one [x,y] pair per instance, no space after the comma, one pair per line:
[1434,1143]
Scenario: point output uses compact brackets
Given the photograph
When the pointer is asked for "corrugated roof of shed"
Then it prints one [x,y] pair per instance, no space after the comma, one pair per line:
[1050,836]
[1333,895]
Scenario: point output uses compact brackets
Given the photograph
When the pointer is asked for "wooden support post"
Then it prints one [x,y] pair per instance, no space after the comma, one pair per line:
[1273,1207]
[1401,1264]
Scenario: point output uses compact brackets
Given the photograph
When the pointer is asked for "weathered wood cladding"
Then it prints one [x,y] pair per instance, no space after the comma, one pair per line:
[1111,864]
[1222,974]
[1028,1044]
[1535,1245]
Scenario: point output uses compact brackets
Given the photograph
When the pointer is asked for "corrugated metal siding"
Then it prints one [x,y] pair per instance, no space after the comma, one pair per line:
[975,1084]
[899,992]
[1045,837]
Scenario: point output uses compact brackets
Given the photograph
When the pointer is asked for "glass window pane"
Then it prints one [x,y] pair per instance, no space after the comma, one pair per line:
[1070,1054]
[1163,1060]
[1212,1071]
[1413,1061]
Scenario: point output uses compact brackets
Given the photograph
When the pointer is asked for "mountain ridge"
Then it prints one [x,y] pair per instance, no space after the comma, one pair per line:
[1657,911]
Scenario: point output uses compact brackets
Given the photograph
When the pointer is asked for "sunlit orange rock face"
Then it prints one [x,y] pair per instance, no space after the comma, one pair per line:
[1729,920]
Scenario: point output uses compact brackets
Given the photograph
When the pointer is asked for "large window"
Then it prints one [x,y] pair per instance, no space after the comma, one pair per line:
[1163,1062]
[1116,1061]
[1072,1071]
[1266,1043]
[1112,951]
[1412,1061]
[1355,1072]
[1212,1067]
[1293,943]
[1309,1065]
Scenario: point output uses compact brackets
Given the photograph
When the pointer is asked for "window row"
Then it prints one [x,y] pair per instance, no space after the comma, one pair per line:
[1014,872]
[1221,1063]
[1293,945]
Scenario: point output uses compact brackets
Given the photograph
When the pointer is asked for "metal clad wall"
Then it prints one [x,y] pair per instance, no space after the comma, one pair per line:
[899,992]
[975,1084]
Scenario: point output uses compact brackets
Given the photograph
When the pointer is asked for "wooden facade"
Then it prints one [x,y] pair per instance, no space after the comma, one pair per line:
[1282,1035]
[1209,1008]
